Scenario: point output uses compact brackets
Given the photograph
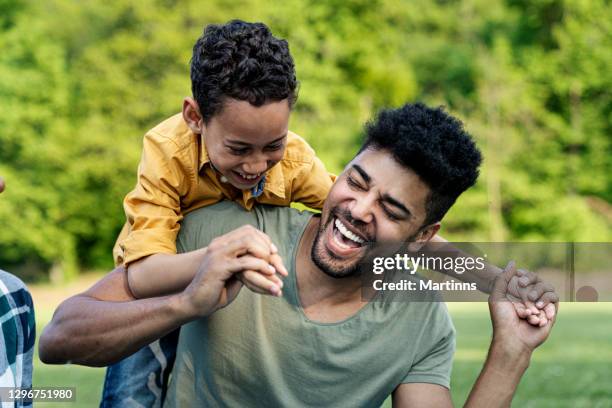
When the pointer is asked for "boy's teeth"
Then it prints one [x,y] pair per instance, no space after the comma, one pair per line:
[348,234]
[249,177]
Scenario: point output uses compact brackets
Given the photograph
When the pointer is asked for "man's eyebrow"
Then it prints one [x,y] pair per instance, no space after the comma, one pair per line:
[241,143]
[365,176]
[387,198]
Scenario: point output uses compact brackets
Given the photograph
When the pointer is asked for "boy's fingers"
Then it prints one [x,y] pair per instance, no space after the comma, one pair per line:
[277,262]
[247,262]
[268,285]
[538,290]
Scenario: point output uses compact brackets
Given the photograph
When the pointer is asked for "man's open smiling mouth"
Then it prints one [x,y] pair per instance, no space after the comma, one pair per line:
[343,240]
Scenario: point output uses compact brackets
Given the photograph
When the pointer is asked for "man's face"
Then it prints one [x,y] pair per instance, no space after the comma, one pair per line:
[374,202]
[243,141]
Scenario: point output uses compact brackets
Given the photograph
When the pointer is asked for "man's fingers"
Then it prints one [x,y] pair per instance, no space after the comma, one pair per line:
[500,287]
[547,298]
[550,310]
[521,310]
[534,320]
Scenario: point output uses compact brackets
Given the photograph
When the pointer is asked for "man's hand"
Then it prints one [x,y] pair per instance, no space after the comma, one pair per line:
[508,328]
[514,340]
[243,256]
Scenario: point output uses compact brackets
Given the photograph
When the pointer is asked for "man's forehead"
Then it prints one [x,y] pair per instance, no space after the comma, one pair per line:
[384,170]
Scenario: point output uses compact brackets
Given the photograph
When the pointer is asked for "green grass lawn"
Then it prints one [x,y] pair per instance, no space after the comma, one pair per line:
[572,369]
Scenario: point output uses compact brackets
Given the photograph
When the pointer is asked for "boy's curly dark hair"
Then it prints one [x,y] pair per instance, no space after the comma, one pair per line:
[242,61]
[434,145]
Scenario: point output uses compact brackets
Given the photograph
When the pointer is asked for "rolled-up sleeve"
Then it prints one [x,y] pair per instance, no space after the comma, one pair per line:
[153,208]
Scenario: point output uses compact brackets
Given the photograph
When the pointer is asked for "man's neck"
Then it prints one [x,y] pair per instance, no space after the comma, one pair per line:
[323,298]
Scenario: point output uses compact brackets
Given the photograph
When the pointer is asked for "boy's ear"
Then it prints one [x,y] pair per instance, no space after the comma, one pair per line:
[192,116]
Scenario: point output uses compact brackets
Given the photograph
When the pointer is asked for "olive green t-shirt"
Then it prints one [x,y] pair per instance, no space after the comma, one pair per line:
[264,351]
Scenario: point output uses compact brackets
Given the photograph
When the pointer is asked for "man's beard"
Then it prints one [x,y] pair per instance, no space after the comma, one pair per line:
[324,260]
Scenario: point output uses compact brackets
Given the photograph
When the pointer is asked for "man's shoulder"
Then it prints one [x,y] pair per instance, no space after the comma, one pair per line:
[201,226]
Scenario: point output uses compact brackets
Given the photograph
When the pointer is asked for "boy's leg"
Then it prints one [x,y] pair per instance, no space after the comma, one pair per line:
[141,380]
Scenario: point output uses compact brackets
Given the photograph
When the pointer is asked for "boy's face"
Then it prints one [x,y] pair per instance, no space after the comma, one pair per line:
[244,141]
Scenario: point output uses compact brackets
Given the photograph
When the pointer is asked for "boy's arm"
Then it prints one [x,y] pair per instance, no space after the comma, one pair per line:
[153,210]
[164,274]
[528,287]
[483,279]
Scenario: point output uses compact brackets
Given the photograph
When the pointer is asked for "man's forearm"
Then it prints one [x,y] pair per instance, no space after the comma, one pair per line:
[87,330]
[499,378]
[163,274]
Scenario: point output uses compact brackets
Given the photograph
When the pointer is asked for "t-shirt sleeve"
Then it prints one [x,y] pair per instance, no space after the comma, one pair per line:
[153,208]
[434,366]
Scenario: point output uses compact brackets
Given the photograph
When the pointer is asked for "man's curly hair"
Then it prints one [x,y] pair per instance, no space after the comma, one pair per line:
[242,61]
[434,145]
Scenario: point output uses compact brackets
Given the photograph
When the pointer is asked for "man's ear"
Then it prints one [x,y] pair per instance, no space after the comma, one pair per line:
[192,116]
[428,232]
[423,237]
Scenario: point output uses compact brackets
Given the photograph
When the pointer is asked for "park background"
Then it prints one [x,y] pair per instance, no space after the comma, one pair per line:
[81,82]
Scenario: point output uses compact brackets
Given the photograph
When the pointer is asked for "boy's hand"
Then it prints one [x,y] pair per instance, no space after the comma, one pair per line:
[533,299]
[265,282]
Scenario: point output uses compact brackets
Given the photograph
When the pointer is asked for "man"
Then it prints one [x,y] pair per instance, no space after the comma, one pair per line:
[319,344]
[17,334]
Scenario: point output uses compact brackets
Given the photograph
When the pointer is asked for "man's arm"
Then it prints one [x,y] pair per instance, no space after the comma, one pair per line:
[106,323]
[513,342]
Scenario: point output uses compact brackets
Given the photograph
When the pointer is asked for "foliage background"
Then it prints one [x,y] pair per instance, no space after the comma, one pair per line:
[80,83]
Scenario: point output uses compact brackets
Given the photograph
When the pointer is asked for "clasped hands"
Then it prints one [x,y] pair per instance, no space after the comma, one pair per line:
[248,257]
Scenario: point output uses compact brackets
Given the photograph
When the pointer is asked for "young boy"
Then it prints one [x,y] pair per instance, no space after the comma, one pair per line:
[231,142]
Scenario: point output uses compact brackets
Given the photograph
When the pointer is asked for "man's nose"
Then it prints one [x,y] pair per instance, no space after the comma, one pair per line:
[361,210]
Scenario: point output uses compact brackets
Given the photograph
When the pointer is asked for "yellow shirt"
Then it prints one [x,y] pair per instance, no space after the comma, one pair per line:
[175,176]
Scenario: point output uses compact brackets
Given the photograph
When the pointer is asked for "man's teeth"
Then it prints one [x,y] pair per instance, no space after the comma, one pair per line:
[249,176]
[348,234]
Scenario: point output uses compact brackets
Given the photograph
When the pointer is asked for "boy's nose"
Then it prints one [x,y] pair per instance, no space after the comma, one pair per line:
[255,167]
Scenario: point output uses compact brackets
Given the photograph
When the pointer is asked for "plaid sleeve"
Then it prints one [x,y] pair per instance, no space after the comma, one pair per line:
[18,333]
